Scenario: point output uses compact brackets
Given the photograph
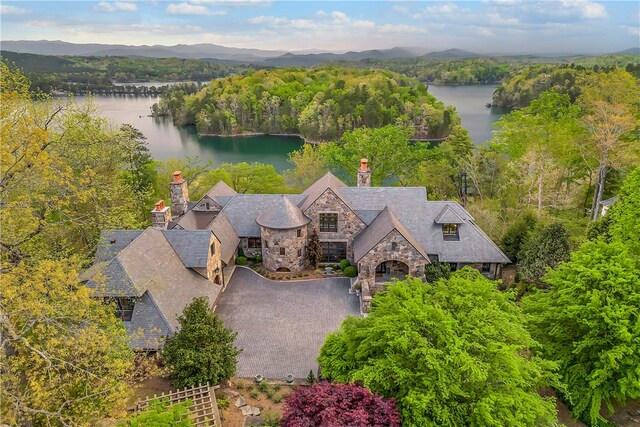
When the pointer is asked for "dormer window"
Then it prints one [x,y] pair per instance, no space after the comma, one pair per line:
[450,232]
[124,308]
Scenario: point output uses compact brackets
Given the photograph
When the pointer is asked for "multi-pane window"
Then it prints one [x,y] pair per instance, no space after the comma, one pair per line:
[329,222]
[299,252]
[333,251]
[394,246]
[124,308]
[254,242]
[282,251]
[450,232]
[299,233]
[486,267]
[213,248]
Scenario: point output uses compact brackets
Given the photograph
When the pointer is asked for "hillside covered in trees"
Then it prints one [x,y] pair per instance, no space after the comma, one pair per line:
[97,74]
[527,84]
[320,104]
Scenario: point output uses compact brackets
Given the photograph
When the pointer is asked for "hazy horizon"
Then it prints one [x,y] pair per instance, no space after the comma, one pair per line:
[486,27]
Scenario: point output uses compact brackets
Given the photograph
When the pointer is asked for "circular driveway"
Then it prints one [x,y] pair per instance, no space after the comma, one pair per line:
[282,325]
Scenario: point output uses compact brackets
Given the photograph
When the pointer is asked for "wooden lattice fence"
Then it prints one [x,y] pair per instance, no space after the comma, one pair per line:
[203,409]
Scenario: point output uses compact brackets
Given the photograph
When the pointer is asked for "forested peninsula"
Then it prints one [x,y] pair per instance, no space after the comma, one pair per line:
[319,104]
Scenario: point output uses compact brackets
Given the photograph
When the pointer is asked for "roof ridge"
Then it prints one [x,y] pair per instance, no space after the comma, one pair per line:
[162,316]
[126,273]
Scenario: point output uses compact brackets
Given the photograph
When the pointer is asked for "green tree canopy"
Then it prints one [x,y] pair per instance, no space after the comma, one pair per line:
[547,248]
[624,214]
[452,353]
[65,356]
[516,236]
[388,150]
[588,323]
[202,351]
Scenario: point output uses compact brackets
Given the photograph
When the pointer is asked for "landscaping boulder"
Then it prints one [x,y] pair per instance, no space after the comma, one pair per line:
[240,402]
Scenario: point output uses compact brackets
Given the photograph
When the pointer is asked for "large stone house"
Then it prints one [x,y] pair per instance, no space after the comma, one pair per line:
[387,232]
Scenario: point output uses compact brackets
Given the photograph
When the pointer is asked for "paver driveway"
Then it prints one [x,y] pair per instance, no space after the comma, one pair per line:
[282,325]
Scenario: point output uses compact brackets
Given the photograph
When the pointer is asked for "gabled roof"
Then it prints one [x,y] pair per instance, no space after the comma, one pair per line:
[109,279]
[196,220]
[243,209]
[111,242]
[192,246]
[221,189]
[448,216]
[152,265]
[148,328]
[316,189]
[227,236]
[281,215]
[384,224]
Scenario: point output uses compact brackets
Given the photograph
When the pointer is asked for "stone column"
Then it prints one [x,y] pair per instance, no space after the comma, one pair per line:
[179,194]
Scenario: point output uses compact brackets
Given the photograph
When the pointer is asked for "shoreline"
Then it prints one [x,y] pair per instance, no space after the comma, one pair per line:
[243,134]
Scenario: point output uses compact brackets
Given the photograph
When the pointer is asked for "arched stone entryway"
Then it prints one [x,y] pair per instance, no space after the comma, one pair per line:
[386,271]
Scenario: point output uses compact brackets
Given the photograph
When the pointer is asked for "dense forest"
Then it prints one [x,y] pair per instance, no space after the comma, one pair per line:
[320,104]
[97,74]
[527,84]
[484,70]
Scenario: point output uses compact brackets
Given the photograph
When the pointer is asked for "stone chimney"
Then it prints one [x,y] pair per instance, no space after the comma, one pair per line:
[179,194]
[160,215]
[364,174]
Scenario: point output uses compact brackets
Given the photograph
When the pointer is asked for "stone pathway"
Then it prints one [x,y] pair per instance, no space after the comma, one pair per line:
[282,325]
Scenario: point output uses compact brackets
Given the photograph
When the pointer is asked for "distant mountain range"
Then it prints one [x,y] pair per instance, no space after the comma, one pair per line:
[229,55]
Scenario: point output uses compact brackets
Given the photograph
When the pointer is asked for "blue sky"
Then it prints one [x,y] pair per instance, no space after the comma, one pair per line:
[487,26]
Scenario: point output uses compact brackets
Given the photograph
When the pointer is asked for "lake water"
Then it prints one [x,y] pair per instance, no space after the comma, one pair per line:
[470,103]
[169,141]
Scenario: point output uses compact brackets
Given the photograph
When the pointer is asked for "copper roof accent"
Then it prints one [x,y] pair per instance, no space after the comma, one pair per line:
[283,215]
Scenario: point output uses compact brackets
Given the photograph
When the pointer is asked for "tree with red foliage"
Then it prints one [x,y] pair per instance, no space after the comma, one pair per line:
[335,405]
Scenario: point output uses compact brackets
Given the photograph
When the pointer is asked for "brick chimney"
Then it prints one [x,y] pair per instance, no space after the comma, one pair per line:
[179,194]
[364,174]
[160,215]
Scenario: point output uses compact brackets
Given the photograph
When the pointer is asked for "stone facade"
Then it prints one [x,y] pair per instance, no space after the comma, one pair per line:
[403,253]
[294,258]
[214,263]
[248,252]
[349,224]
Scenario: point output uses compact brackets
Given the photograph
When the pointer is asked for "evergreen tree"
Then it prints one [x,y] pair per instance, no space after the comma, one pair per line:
[544,250]
[516,236]
[314,249]
[202,351]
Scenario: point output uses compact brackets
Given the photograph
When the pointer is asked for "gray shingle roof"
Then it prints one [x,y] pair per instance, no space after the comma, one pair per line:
[316,189]
[384,224]
[227,236]
[448,216]
[109,279]
[283,214]
[113,241]
[418,215]
[221,189]
[192,246]
[195,220]
[148,328]
[153,266]
[243,209]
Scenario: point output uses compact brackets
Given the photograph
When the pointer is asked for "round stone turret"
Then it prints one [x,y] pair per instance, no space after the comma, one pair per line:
[283,228]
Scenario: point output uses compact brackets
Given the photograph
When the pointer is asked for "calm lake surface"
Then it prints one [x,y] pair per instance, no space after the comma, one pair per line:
[470,103]
[168,141]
